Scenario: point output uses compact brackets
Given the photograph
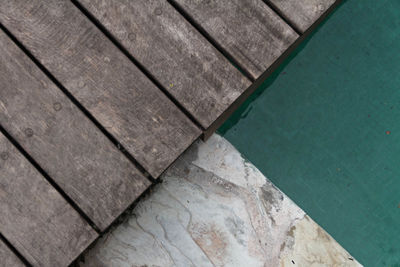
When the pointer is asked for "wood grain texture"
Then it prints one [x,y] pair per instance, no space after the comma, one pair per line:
[34,217]
[302,13]
[102,79]
[8,258]
[175,53]
[66,144]
[248,30]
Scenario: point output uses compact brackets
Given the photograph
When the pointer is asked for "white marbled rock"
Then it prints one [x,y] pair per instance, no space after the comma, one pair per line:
[215,209]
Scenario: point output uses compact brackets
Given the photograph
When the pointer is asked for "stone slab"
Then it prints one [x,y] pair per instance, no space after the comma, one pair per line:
[214,208]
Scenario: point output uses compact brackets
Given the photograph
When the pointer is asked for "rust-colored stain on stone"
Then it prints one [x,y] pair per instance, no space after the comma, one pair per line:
[211,240]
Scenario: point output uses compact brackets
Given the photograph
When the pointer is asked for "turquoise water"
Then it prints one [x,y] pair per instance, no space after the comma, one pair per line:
[325,128]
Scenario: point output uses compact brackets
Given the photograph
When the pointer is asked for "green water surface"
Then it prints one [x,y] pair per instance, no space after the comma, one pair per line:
[325,128]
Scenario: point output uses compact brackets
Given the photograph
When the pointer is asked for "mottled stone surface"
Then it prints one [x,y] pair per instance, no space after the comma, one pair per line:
[215,209]
[312,246]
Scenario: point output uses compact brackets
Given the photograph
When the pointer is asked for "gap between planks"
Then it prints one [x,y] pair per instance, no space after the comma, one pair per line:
[180,60]
[102,169]
[283,57]
[212,41]
[103,80]
[78,104]
[12,256]
[140,66]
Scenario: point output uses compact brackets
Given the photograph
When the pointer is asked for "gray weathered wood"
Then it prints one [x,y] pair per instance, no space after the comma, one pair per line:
[34,217]
[175,53]
[65,143]
[8,258]
[251,32]
[103,79]
[302,13]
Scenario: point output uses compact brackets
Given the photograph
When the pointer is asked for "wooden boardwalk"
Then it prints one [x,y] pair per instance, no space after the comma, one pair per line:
[99,97]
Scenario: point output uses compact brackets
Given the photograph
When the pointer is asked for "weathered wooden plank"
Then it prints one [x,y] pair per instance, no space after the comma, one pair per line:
[251,32]
[175,53]
[34,217]
[71,149]
[8,258]
[302,13]
[103,79]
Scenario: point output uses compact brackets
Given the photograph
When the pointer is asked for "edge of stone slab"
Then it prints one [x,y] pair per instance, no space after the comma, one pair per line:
[208,198]
[223,162]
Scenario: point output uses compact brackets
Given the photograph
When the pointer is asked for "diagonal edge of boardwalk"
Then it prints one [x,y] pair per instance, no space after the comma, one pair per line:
[249,31]
[194,72]
[274,63]
[34,217]
[302,14]
[267,73]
